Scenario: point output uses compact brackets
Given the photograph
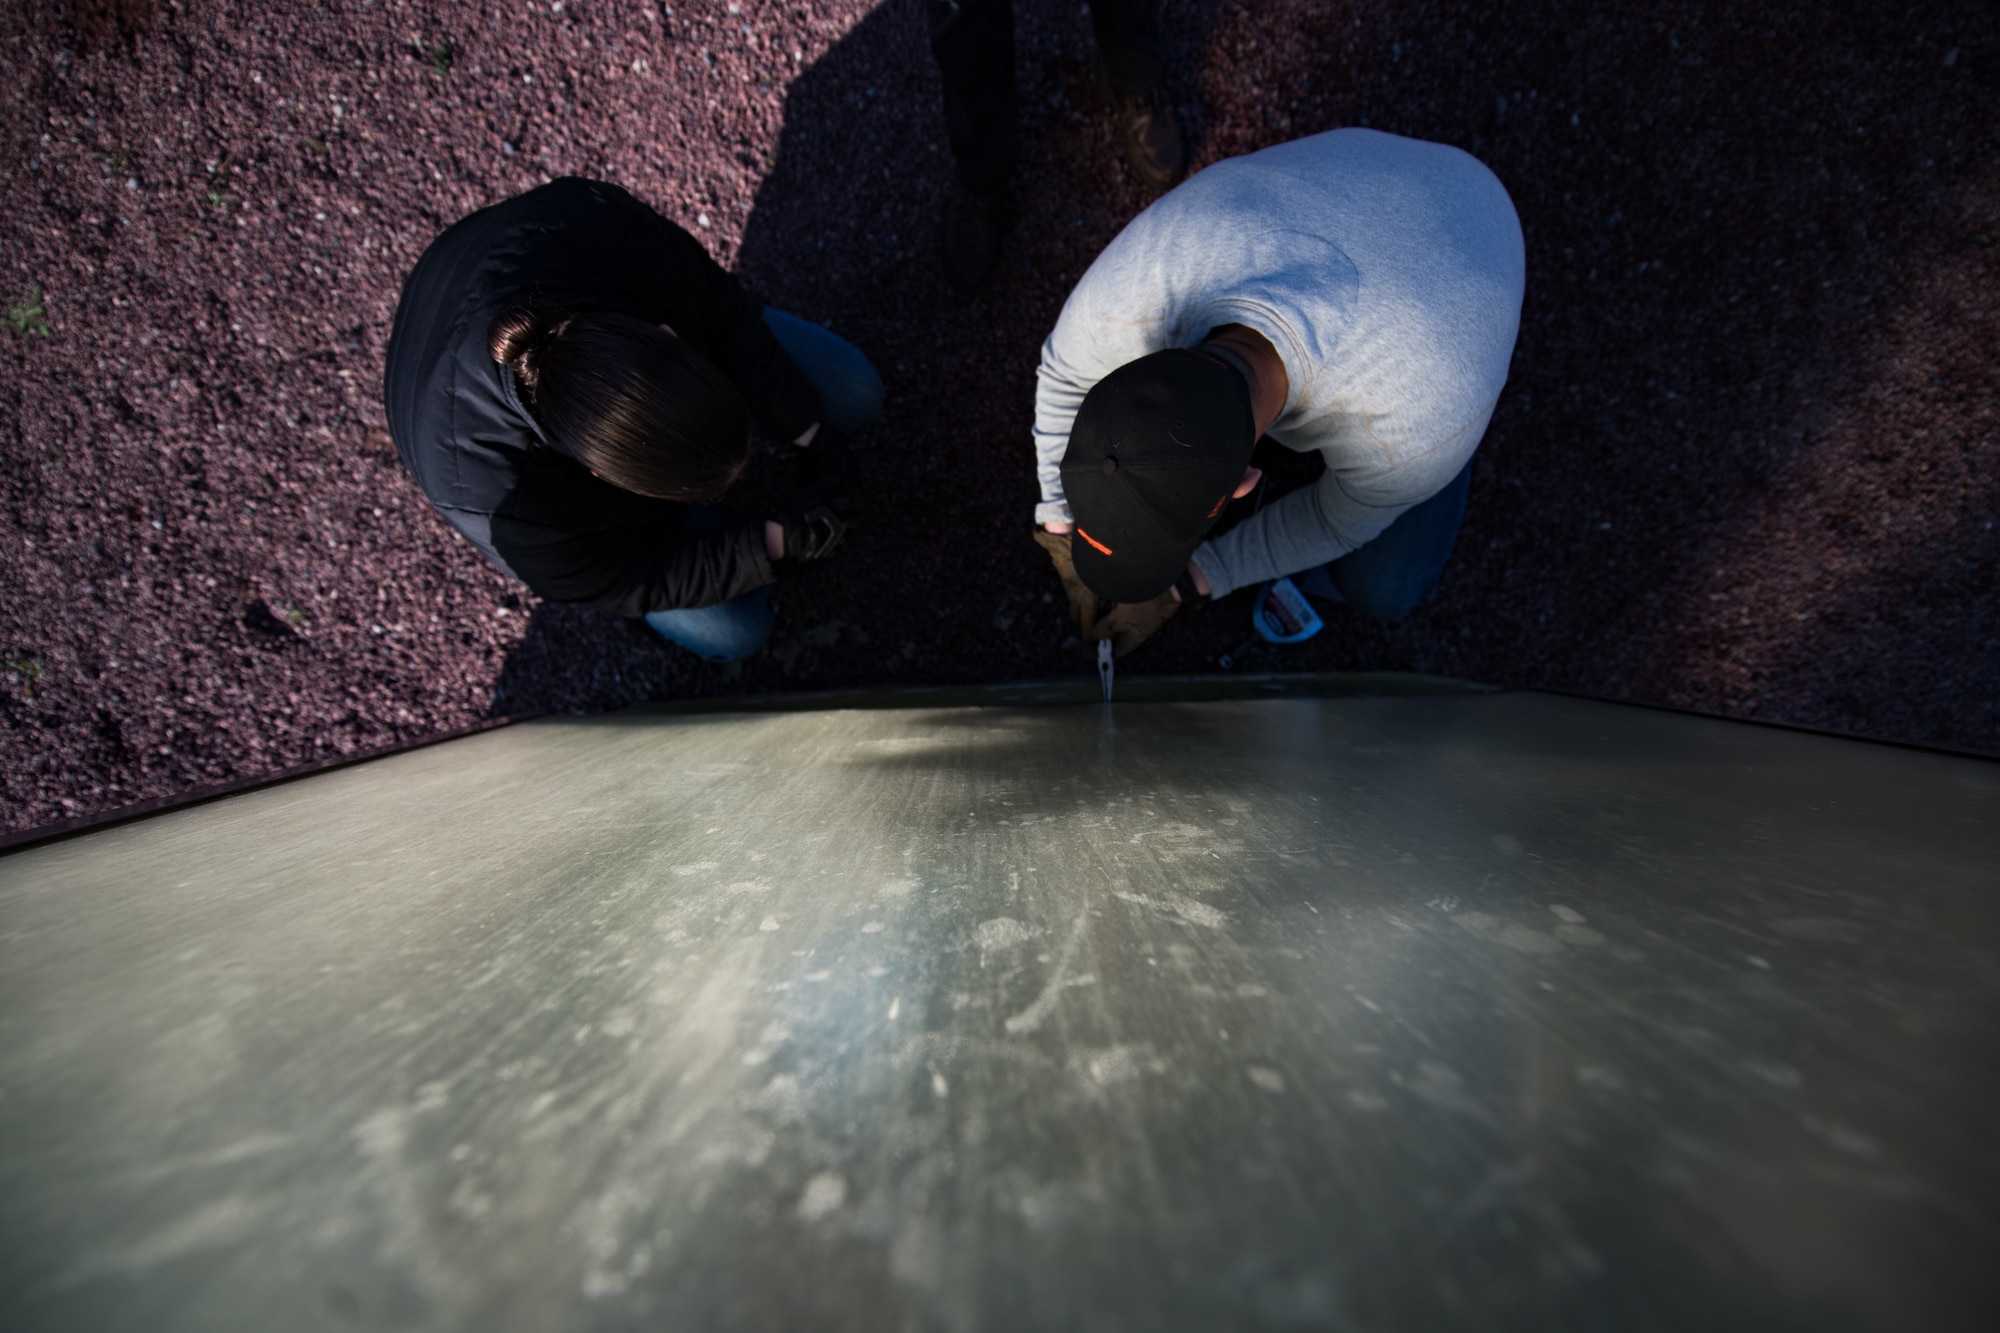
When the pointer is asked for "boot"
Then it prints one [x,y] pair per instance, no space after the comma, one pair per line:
[1149,133]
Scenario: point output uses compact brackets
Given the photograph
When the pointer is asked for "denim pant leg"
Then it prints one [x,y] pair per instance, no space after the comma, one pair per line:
[1126,43]
[850,391]
[727,632]
[1391,576]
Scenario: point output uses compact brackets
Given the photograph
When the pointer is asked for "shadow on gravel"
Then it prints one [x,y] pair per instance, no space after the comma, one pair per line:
[1735,221]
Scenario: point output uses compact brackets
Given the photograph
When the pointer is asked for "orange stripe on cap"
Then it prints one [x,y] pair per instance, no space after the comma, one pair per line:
[1093,541]
[1218,505]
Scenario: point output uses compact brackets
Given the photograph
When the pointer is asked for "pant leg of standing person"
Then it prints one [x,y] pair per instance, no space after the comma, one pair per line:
[726,632]
[1128,43]
[973,43]
[1132,76]
[850,390]
[1391,576]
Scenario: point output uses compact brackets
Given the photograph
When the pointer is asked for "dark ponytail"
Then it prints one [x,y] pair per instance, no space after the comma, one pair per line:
[628,400]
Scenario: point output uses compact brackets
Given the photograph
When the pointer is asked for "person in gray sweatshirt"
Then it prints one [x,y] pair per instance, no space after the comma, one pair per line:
[1354,293]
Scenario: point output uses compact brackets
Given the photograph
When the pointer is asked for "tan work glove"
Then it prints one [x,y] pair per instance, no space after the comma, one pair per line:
[1129,624]
[1082,601]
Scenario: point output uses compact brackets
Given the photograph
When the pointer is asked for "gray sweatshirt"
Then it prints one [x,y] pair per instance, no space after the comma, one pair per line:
[1387,272]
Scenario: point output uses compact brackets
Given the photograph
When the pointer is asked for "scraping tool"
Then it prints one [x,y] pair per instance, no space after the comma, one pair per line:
[1104,666]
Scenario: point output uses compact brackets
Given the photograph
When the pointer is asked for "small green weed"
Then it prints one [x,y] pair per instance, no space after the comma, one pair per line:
[116,158]
[218,190]
[30,319]
[438,55]
[29,669]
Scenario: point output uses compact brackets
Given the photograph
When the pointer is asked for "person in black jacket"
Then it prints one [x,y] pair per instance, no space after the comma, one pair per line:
[571,379]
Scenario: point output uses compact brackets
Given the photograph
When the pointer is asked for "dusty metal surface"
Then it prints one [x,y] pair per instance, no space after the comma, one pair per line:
[1477,1011]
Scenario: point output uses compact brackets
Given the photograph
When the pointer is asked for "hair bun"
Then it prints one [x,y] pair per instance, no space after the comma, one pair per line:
[520,335]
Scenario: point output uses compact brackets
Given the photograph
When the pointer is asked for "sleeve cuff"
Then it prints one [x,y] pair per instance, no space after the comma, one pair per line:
[1218,586]
[1053,511]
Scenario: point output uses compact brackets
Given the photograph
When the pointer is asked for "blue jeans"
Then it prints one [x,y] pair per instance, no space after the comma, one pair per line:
[850,394]
[1390,577]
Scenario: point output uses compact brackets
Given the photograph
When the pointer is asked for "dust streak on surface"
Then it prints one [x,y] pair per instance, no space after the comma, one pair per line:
[1044,1004]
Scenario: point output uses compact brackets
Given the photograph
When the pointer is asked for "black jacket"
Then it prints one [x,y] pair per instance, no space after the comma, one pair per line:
[484,462]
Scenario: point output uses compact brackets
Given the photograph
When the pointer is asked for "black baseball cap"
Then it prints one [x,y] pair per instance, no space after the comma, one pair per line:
[1156,449]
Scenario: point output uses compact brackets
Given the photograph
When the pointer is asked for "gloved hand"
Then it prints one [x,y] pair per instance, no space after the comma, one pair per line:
[1083,602]
[1129,624]
[812,531]
[829,471]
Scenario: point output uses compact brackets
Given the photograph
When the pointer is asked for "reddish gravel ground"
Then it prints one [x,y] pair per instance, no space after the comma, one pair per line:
[1746,463]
